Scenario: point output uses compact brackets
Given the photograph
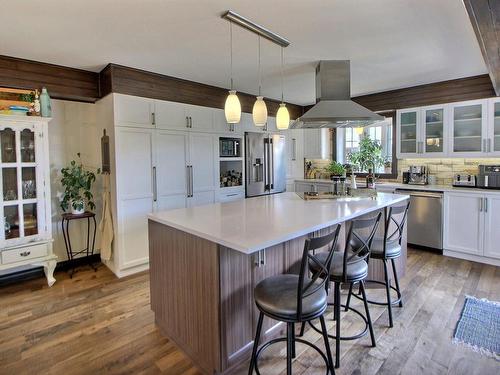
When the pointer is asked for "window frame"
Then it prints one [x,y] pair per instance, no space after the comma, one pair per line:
[394,165]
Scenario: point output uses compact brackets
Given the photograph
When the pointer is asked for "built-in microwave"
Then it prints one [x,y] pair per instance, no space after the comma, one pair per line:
[229,147]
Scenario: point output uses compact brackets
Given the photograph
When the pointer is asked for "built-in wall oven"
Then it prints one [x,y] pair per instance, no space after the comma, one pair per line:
[425,218]
[229,147]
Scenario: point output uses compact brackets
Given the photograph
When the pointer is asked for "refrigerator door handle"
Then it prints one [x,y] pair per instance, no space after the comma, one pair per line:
[271,168]
[266,182]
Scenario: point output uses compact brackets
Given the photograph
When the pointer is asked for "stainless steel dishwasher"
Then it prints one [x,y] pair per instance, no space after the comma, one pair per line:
[425,218]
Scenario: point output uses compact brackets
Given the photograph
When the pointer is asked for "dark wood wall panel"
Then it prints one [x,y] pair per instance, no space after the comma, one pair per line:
[61,82]
[125,80]
[456,90]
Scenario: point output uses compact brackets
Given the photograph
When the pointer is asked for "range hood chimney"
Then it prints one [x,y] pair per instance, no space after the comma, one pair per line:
[334,107]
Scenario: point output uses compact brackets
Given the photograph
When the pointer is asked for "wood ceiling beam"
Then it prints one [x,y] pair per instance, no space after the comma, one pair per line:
[484,16]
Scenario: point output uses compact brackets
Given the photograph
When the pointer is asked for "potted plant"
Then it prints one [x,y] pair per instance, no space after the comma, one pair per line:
[369,155]
[77,183]
[336,169]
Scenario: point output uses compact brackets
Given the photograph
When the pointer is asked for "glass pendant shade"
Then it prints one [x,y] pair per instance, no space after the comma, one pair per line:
[232,108]
[259,112]
[282,117]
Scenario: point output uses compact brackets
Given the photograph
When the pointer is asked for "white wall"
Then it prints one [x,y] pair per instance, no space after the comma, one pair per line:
[74,129]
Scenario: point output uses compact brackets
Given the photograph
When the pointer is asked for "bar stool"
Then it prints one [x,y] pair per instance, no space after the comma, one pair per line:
[388,248]
[351,266]
[296,299]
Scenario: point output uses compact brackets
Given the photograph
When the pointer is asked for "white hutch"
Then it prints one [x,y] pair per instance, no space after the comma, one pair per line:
[26,239]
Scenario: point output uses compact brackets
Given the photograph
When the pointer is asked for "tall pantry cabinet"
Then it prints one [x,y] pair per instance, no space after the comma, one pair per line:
[163,156]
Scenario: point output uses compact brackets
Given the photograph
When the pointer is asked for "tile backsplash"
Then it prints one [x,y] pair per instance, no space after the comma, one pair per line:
[444,169]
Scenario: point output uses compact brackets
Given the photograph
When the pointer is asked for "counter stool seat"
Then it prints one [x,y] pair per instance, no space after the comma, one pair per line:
[277,296]
[392,250]
[354,271]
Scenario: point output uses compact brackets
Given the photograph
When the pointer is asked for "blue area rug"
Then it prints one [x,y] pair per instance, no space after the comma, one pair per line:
[479,326]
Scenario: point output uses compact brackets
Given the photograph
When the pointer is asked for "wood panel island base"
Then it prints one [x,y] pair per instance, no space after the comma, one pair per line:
[205,262]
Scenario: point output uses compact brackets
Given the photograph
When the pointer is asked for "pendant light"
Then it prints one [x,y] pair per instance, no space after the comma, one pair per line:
[259,111]
[232,107]
[282,117]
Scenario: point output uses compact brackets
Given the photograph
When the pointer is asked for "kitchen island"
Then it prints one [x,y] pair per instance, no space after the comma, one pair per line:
[205,262]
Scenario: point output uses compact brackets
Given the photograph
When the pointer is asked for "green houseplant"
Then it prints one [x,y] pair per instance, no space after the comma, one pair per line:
[77,183]
[336,169]
[369,155]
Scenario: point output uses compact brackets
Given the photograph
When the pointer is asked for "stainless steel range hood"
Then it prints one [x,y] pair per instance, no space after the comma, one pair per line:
[334,107]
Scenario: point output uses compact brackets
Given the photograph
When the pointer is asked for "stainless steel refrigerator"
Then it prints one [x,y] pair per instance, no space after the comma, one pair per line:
[265,163]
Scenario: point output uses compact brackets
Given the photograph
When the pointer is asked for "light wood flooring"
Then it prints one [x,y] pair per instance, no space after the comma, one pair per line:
[97,324]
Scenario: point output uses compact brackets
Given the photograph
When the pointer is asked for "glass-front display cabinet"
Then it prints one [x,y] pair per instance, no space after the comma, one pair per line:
[494,127]
[434,131]
[469,128]
[408,129]
[25,194]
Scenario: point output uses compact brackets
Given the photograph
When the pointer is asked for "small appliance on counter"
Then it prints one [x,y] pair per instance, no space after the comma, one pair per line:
[489,177]
[418,175]
[464,180]
[406,177]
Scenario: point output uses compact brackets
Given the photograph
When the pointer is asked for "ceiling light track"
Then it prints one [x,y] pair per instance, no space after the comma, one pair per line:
[255,28]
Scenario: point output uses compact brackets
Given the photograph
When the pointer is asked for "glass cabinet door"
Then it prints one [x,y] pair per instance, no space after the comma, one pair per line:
[20,201]
[408,132]
[434,130]
[496,127]
[468,128]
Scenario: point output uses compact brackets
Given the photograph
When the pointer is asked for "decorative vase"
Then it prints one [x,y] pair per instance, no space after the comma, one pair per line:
[75,211]
[46,107]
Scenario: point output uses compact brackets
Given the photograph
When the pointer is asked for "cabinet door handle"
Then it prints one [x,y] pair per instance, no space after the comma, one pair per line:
[153,118]
[485,204]
[294,149]
[187,121]
[190,122]
[258,262]
[480,204]
[188,182]
[489,144]
[264,257]
[25,253]
[155,187]
[191,171]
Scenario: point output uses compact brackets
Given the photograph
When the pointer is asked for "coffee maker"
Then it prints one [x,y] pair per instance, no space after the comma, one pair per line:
[418,175]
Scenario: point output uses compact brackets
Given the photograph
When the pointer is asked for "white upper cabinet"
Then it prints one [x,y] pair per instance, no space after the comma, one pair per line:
[433,131]
[493,143]
[133,111]
[469,128]
[200,118]
[463,129]
[171,115]
[316,143]
[408,126]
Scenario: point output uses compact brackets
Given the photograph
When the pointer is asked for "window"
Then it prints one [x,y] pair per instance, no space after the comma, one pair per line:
[348,142]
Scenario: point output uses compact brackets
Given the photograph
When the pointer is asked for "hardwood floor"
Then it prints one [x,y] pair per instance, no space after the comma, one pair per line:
[97,324]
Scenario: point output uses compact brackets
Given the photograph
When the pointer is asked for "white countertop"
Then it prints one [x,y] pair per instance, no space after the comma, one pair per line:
[252,224]
[398,185]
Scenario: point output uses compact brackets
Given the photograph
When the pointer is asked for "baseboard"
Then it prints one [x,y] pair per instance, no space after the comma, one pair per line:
[472,257]
[37,272]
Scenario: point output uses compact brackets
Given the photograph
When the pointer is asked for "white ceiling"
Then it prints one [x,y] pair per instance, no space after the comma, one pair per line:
[391,43]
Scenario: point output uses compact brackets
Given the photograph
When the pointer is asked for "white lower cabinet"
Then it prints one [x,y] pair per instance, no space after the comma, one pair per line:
[463,219]
[470,224]
[491,226]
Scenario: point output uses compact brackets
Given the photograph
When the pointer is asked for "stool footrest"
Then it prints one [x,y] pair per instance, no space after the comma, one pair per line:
[281,339]
[393,302]
[347,338]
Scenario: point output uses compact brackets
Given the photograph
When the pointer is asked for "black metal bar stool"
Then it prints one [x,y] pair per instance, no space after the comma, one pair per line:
[296,299]
[351,266]
[388,248]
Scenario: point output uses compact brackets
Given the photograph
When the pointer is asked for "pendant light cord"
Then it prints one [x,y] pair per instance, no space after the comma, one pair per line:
[231,49]
[282,85]
[260,72]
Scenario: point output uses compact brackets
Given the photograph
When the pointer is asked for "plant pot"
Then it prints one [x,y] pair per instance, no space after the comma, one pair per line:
[75,211]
